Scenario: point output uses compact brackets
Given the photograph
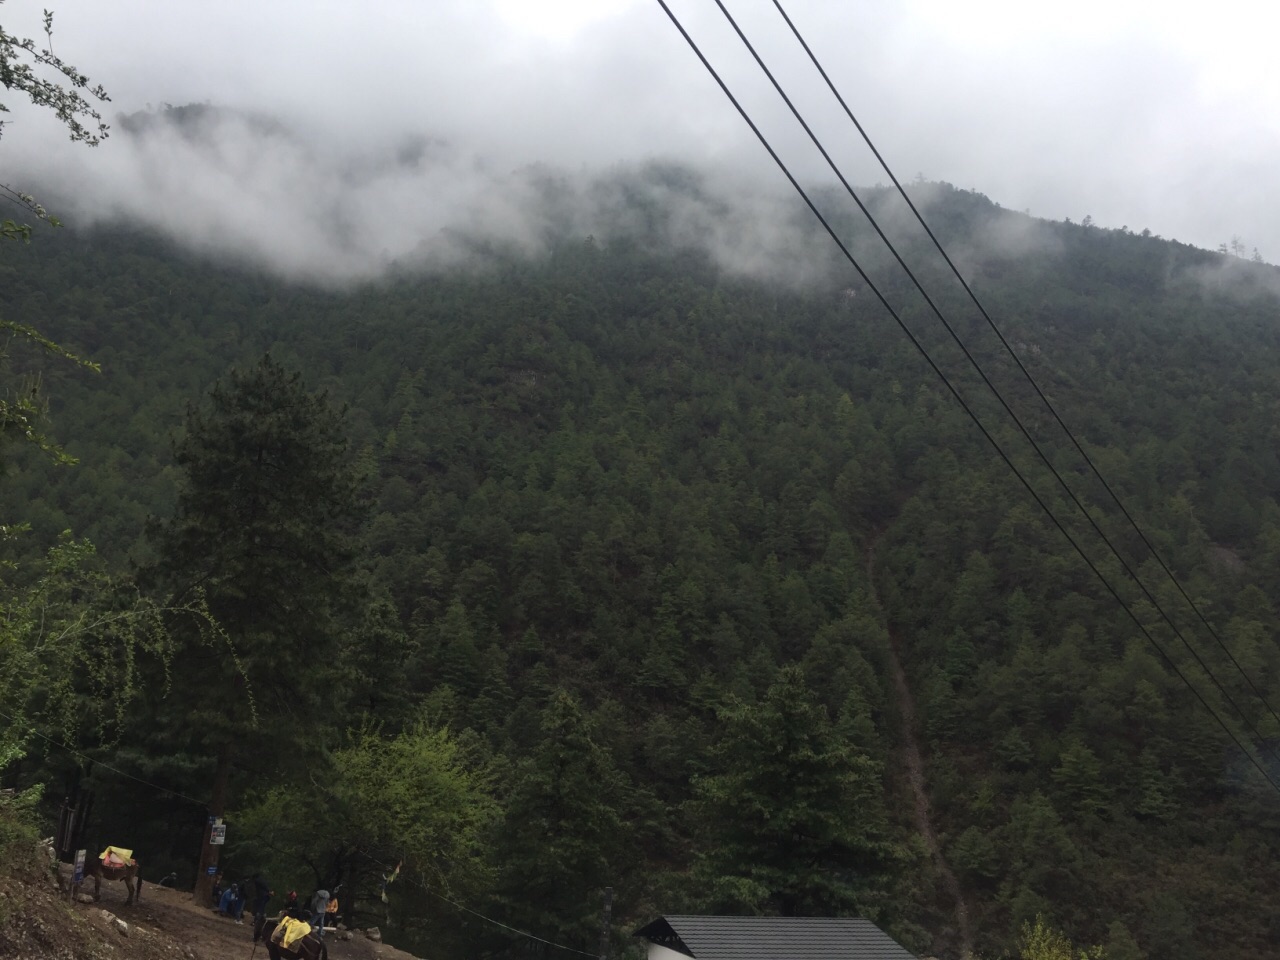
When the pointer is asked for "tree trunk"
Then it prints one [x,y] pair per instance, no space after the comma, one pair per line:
[217,804]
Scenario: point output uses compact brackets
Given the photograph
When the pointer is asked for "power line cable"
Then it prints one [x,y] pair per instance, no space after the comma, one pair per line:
[1022,367]
[497,923]
[115,770]
[955,393]
[1260,739]
[505,926]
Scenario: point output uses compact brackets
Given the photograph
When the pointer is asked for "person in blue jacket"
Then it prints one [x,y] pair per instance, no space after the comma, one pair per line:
[227,901]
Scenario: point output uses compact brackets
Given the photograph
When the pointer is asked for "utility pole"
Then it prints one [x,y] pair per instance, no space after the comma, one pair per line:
[208,850]
[604,923]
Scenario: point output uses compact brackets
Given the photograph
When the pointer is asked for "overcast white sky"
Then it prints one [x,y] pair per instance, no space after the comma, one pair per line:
[1160,115]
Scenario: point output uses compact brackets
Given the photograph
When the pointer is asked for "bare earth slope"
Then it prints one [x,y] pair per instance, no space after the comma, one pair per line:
[36,923]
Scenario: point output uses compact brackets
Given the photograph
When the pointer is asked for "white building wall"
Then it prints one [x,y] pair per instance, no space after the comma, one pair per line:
[658,952]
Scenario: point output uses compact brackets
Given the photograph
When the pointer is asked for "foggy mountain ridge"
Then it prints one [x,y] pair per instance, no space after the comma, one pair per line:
[627,470]
[252,189]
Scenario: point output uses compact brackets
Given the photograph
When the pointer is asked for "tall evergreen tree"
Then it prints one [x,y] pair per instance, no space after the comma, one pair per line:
[565,835]
[263,528]
[793,815]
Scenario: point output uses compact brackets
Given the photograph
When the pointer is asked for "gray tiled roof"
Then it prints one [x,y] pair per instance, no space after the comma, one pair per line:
[775,938]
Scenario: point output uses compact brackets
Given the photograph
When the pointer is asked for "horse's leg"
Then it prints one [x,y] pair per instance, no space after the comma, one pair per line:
[129,885]
[97,886]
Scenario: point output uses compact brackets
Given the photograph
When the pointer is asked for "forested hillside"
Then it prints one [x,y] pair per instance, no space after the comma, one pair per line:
[638,546]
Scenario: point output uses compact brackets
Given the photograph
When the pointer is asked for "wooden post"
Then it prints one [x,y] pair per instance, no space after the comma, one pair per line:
[217,806]
[604,923]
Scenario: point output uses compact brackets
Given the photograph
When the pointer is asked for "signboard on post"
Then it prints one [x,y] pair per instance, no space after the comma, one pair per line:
[77,874]
[218,833]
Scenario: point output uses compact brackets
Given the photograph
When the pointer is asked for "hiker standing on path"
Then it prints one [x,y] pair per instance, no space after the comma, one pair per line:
[319,903]
[262,894]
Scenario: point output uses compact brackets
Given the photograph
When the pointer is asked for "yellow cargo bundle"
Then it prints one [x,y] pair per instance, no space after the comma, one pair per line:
[116,857]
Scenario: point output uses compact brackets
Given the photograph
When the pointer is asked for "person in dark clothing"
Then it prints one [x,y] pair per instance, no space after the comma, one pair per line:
[236,912]
[262,893]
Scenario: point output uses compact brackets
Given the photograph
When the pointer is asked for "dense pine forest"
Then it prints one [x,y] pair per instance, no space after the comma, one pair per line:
[611,565]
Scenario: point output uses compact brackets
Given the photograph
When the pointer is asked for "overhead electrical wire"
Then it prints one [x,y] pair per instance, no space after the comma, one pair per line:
[476,913]
[955,393]
[107,766]
[505,926]
[1021,366]
[1260,739]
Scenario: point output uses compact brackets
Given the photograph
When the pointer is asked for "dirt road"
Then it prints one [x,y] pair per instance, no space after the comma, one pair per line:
[203,935]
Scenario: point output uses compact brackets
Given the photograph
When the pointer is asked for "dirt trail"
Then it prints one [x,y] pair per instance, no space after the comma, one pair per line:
[914,764]
[165,913]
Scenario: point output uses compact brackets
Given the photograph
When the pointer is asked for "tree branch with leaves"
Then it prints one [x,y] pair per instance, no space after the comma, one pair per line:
[38,74]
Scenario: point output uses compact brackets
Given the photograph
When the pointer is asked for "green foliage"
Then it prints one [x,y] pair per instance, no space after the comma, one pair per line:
[419,799]
[1121,945]
[416,798]
[1039,941]
[1079,779]
[617,471]
[41,76]
[263,528]
[25,69]
[793,814]
[23,409]
[19,821]
[77,645]
[976,855]
[380,657]
[566,835]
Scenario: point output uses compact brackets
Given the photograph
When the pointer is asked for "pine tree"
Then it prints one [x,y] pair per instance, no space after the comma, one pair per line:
[267,506]
[1121,945]
[1079,775]
[564,837]
[1154,800]
[378,657]
[793,815]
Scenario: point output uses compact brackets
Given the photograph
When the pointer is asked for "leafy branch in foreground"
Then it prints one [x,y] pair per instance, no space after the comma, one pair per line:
[20,69]
[49,82]
[22,408]
[11,229]
[73,640]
